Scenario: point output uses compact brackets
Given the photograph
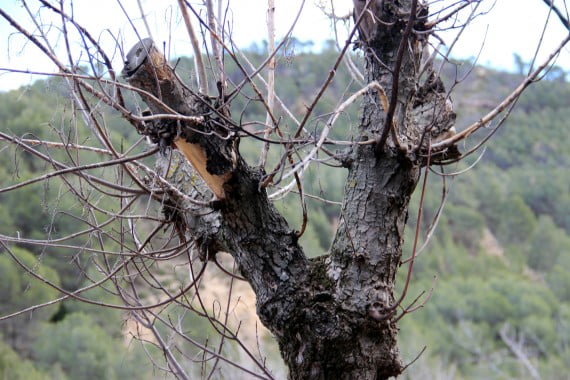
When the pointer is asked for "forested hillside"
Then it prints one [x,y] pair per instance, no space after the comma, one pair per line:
[500,303]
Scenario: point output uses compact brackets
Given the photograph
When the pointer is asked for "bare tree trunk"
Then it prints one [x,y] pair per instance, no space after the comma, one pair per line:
[332,316]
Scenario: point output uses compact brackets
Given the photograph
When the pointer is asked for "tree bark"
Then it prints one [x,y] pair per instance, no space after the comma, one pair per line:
[332,315]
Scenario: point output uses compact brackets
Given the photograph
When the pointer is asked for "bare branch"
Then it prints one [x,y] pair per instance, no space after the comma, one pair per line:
[512,97]
[200,68]
[270,77]
[563,19]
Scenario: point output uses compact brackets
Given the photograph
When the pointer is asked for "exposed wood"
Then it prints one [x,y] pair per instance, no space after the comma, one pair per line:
[147,68]
[197,158]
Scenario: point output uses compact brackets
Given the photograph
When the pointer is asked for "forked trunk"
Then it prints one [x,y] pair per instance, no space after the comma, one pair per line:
[332,316]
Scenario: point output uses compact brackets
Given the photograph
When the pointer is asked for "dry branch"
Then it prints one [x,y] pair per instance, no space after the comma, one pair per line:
[147,69]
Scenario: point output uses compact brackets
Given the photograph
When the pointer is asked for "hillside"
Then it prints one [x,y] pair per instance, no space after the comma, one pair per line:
[500,306]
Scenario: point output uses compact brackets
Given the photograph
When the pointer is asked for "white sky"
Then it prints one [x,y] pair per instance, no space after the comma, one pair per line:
[511,26]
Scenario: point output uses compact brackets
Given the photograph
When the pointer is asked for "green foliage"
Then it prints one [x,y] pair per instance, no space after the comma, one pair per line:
[20,290]
[520,223]
[111,320]
[13,367]
[547,243]
[85,351]
[558,278]
[545,190]
[466,225]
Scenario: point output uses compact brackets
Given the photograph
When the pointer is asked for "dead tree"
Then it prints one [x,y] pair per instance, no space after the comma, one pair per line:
[335,316]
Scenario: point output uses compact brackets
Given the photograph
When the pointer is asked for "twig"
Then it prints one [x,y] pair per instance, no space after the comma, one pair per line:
[413,361]
[517,350]
[336,113]
[561,16]
[52,144]
[390,310]
[332,71]
[270,78]
[96,165]
[513,96]
[396,79]
[200,68]
[216,50]
[143,17]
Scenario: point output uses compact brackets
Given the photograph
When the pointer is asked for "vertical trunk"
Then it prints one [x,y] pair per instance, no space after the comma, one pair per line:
[367,248]
[346,331]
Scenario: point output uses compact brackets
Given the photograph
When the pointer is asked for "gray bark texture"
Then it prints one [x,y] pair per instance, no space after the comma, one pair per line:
[331,315]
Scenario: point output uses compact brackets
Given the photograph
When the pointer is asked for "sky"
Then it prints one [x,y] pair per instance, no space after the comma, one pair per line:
[506,28]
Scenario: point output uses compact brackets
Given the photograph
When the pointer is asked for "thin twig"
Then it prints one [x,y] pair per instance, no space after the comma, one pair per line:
[143,17]
[332,71]
[270,78]
[563,19]
[396,79]
[513,96]
[215,37]
[388,312]
[199,63]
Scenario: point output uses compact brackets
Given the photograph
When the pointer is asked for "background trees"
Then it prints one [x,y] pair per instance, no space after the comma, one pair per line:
[122,228]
